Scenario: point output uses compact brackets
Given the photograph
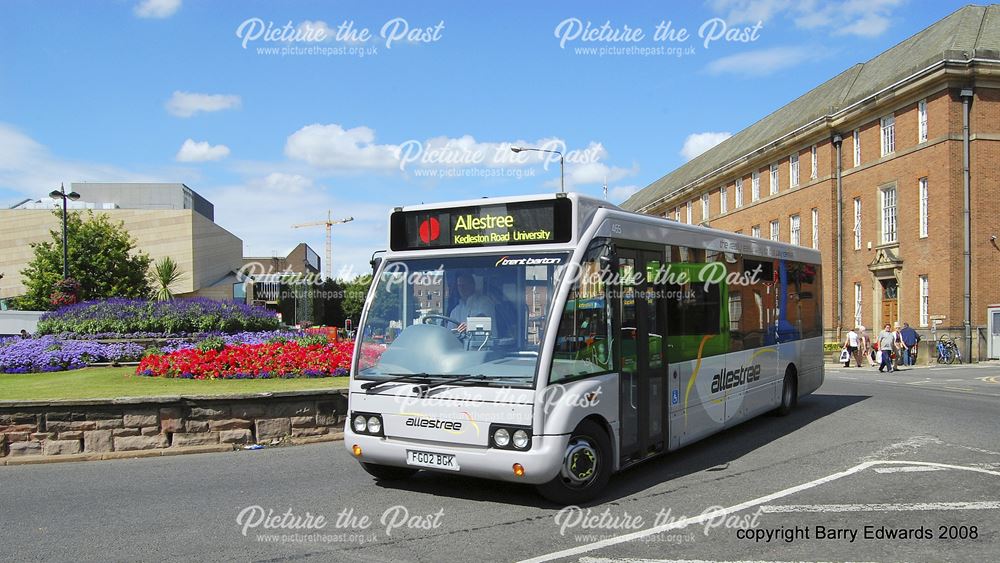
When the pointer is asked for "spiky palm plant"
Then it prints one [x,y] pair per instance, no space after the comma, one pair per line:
[165,273]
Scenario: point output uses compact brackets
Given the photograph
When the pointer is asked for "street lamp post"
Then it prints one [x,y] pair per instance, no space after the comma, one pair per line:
[562,169]
[61,193]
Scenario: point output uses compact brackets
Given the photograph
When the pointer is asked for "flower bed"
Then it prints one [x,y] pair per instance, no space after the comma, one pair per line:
[30,355]
[137,316]
[252,361]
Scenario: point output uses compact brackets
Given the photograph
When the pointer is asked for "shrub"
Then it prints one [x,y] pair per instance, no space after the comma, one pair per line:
[211,343]
[29,355]
[313,340]
[252,361]
[133,316]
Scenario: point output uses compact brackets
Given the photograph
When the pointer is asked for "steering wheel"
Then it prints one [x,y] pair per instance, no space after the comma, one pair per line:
[443,318]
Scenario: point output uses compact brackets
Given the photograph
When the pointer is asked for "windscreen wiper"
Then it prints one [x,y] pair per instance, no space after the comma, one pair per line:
[398,377]
[420,389]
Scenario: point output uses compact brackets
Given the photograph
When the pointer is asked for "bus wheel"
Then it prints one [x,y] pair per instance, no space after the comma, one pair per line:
[388,472]
[789,394]
[586,467]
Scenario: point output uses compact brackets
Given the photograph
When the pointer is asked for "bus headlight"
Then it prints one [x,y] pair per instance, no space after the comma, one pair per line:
[360,423]
[508,437]
[367,423]
[501,437]
[520,439]
[374,425]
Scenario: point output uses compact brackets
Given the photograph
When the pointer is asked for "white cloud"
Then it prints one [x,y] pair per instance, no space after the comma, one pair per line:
[749,11]
[697,143]
[201,151]
[157,8]
[618,194]
[332,146]
[30,170]
[261,212]
[186,104]
[761,62]
[286,183]
[866,18]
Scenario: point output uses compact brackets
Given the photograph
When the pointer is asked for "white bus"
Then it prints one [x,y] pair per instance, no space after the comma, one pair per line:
[556,339]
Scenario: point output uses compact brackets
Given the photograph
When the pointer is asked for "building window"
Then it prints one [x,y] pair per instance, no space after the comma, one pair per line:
[857,147]
[755,231]
[723,204]
[815,227]
[793,170]
[704,207]
[857,304]
[888,201]
[888,124]
[755,186]
[794,233]
[857,223]
[677,214]
[923,207]
[922,121]
[774,230]
[739,193]
[814,161]
[924,301]
[774,179]
[690,206]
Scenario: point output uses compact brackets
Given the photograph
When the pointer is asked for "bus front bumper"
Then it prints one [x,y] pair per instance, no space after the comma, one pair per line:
[541,463]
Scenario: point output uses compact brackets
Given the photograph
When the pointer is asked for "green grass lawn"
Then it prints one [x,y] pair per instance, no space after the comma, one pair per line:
[108,382]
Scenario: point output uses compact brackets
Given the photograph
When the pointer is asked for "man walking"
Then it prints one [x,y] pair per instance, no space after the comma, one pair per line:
[852,343]
[910,339]
[886,347]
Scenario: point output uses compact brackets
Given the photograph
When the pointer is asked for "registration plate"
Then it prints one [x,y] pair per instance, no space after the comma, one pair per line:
[431,459]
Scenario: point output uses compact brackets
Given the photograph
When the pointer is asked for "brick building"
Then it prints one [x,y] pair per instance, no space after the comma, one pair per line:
[868,167]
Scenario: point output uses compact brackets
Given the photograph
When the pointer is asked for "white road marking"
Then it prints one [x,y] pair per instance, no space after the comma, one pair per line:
[608,560]
[722,512]
[903,507]
[912,469]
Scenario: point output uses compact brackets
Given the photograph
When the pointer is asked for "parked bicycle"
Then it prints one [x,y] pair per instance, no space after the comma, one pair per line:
[948,350]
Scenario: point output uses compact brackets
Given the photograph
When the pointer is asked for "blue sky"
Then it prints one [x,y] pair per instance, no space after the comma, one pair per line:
[170,90]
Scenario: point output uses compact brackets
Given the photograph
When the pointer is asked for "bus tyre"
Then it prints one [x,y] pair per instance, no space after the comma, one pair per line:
[388,472]
[789,394]
[586,467]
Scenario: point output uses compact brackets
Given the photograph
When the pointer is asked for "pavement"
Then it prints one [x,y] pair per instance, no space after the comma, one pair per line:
[873,467]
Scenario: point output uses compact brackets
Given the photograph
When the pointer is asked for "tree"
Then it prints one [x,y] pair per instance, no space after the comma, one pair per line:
[355,292]
[102,258]
[165,273]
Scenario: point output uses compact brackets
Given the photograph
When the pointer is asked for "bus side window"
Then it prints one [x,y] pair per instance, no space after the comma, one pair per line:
[582,343]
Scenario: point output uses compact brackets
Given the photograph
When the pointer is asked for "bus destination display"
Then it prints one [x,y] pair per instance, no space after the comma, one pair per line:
[532,222]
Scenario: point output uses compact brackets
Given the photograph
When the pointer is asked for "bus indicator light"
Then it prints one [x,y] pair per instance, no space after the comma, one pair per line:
[518,470]
[356,449]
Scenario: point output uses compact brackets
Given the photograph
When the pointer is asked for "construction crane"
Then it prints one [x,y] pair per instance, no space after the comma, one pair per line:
[328,265]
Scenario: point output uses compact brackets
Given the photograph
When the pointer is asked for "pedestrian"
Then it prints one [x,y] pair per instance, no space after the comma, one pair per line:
[886,347]
[910,339]
[851,344]
[897,356]
[866,351]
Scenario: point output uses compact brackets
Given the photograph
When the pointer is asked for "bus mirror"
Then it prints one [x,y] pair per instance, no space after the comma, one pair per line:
[375,262]
[610,254]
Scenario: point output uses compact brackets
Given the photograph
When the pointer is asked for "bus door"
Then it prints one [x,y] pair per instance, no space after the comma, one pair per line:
[641,333]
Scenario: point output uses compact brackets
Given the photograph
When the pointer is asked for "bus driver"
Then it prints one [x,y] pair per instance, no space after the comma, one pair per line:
[471,303]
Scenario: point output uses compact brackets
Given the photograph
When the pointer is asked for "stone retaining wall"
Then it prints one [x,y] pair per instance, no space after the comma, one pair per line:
[94,426]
